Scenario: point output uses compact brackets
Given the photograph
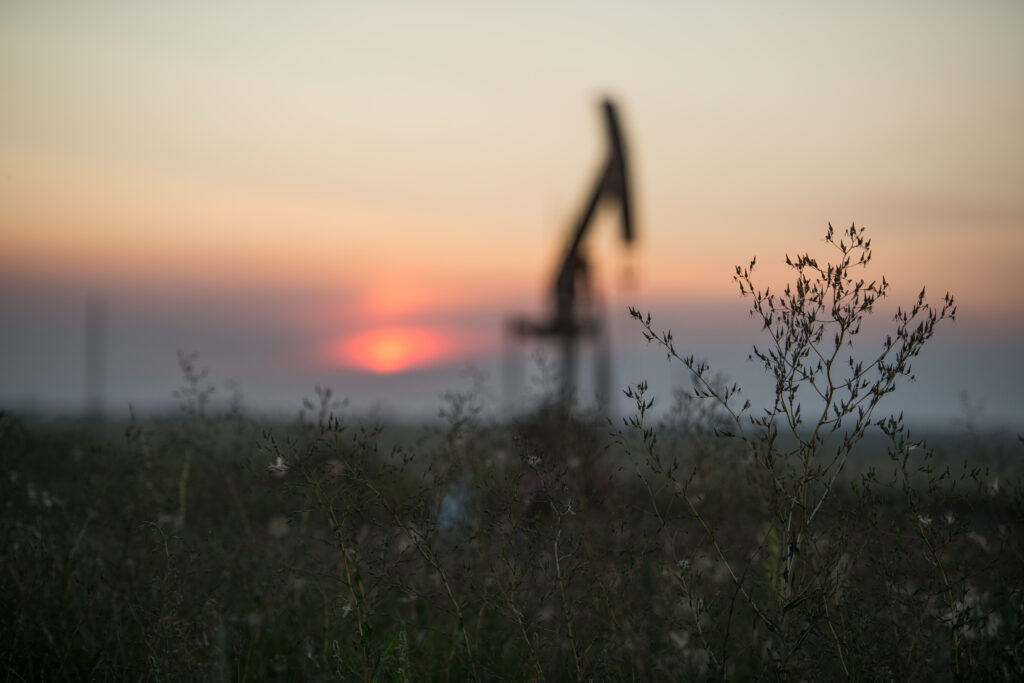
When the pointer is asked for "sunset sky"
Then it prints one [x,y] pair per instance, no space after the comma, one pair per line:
[359,194]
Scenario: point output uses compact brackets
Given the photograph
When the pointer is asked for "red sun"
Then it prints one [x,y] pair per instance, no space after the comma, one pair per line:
[391,349]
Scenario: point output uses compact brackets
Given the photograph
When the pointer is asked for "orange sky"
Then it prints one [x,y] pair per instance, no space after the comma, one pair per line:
[407,163]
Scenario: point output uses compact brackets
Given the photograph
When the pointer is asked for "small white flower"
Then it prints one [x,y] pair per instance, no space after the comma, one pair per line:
[533,460]
[978,540]
[279,467]
[924,520]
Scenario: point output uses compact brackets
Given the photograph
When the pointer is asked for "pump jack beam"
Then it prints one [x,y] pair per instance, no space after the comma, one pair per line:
[567,323]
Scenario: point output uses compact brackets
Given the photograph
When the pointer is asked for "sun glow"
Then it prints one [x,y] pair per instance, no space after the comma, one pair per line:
[394,349]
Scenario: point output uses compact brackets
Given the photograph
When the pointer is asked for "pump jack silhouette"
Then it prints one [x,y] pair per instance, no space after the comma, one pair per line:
[570,322]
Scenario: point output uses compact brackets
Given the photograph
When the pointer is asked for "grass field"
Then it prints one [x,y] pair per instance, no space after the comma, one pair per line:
[813,538]
[216,548]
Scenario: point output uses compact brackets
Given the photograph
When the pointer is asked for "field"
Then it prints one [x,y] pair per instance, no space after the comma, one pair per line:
[811,539]
[218,548]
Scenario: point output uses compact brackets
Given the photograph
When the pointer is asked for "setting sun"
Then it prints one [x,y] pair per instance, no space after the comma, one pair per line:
[392,349]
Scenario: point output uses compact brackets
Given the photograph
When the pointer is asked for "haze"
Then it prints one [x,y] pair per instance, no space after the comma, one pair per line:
[358,195]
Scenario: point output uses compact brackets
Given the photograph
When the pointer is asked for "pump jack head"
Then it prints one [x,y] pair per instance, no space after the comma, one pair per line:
[615,183]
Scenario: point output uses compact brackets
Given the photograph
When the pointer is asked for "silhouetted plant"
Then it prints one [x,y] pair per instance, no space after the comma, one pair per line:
[826,394]
[718,541]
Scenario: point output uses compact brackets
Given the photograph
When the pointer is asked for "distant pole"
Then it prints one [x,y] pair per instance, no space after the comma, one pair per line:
[96,357]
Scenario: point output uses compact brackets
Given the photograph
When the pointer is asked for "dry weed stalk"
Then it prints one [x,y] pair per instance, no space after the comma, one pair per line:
[825,399]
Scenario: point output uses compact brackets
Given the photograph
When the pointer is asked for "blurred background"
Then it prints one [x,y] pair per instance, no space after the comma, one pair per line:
[360,195]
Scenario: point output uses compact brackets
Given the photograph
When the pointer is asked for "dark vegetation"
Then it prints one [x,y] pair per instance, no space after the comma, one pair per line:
[811,539]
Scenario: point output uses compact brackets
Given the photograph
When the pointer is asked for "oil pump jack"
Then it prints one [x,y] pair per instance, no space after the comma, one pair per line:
[576,316]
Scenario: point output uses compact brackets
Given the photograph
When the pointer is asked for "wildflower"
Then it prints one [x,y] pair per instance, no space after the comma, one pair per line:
[978,540]
[680,640]
[924,520]
[279,467]
[533,460]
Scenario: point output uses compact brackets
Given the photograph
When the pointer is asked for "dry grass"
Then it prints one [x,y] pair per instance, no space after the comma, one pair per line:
[705,545]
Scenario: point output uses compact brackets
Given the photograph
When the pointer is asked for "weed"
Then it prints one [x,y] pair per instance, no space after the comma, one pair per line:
[720,541]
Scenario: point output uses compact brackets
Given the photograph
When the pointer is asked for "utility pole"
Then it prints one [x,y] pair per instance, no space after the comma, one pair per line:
[95,357]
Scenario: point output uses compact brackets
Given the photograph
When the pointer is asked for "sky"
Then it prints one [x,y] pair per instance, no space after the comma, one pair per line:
[360,194]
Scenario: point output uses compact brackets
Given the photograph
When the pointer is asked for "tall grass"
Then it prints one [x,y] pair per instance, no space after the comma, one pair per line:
[722,541]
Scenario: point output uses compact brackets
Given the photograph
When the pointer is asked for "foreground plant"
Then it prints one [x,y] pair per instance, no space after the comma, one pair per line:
[330,548]
[827,394]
